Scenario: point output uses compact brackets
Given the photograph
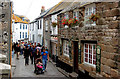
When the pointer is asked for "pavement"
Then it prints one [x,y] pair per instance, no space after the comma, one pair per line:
[20,70]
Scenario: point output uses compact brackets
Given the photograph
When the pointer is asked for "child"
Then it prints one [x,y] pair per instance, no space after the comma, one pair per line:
[39,66]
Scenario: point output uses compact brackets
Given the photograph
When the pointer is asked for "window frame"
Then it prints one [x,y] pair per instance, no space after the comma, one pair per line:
[89,9]
[20,35]
[94,65]
[23,34]
[76,12]
[64,47]
[26,27]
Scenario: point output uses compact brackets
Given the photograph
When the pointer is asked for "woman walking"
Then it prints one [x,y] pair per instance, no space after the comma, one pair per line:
[36,56]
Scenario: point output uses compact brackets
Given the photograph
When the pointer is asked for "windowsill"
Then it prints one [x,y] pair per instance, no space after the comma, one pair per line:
[66,55]
[85,63]
[89,25]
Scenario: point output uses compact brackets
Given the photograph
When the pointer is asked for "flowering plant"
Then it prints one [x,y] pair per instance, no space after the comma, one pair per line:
[54,24]
[94,17]
[65,22]
[73,22]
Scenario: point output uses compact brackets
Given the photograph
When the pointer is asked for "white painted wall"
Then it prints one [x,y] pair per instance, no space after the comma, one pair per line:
[16,31]
[54,29]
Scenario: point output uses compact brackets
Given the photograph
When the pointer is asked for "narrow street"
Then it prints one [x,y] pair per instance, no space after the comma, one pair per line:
[28,71]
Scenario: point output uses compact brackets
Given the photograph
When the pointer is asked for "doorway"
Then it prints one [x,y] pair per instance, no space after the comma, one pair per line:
[75,66]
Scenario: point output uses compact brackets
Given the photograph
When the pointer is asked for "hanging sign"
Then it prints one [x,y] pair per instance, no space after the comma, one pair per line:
[98,59]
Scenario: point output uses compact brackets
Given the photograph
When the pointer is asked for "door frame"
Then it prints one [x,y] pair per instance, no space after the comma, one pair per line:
[75,56]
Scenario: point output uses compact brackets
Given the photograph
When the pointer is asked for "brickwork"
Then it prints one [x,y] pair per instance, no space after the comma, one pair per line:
[106,32]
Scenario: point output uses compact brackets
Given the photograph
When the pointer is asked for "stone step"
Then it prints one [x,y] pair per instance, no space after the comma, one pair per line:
[3,58]
[73,75]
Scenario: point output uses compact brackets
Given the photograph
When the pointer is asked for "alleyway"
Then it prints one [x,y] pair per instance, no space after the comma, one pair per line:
[28,71]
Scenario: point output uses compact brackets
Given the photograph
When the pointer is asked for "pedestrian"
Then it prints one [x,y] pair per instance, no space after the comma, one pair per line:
[26,55]
[45,57]
[36,56]
[22,46]
[31,53]
[42,48]
[18,51]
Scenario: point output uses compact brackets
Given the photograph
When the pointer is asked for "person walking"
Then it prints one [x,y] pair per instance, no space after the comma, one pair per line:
[18,51]
[45,57]
[31,53]
[26,55]
[36,56]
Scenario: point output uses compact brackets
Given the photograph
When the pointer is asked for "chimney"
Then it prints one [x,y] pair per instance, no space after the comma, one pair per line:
[42,9]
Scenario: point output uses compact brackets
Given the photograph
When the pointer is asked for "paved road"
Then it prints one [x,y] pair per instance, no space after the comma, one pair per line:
[28,71]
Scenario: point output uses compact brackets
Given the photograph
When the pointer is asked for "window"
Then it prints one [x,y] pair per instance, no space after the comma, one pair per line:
[40,24]
[23,27]
[20,26]
[66,16]
[33,27]
[66,48]
[46,23]
[20,35]
[90,53]
[76,14]
[26,26]
[88,11]
[23,34]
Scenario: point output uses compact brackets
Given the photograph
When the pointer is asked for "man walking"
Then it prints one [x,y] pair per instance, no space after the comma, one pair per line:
[18,51]
[26,55]
[45,56]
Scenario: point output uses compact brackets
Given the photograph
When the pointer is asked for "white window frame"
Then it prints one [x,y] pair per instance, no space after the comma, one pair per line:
[89,9]
[88,54]
[76,14]
[64,48]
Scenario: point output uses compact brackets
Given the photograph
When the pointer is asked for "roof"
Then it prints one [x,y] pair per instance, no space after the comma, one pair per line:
[59,7]
[17,18]
[44,13]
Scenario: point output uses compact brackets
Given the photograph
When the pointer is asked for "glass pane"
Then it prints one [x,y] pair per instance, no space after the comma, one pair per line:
[86,55]
[90,46]
[94,57]
[86,50]
[90,61]
[90,51]
[86,59]
[86,45]
[94,62]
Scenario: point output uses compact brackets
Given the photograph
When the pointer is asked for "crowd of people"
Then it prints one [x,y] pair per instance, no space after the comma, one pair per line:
[35,52]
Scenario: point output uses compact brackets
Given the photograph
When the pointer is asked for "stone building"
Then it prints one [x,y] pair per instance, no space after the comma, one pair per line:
[5,35]
[50,32]
[90,48]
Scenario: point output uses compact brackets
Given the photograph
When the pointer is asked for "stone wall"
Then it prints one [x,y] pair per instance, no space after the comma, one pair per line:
[106,33]
[5,22]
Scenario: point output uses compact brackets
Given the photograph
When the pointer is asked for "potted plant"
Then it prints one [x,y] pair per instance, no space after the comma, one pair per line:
[73,22]
[54,24]
[94,17]
[65,22]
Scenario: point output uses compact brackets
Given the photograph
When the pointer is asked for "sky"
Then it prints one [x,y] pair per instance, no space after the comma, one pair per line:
[32,8]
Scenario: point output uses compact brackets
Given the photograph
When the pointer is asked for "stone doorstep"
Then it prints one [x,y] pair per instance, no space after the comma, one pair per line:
[63,72]
[73,75]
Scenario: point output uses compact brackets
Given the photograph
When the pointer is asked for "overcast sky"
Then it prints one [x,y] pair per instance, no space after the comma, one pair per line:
[32,8]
